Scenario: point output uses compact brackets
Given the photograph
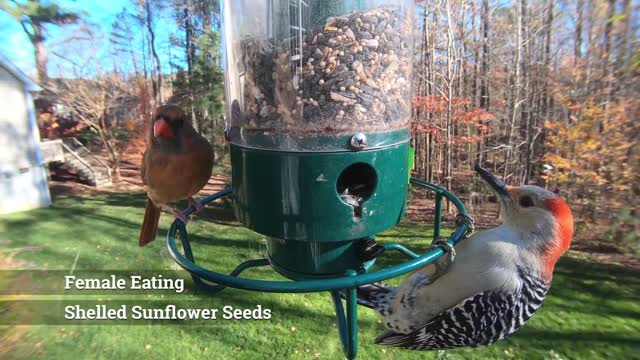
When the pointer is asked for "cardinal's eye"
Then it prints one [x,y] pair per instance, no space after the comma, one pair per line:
[526,201]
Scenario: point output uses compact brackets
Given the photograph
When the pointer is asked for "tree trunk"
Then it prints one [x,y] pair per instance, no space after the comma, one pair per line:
[547,98]
[590,48]
[607,58]
[623,43]
[450,81]
[577,57]
[37,39]
[187,38]
[157,84]
[475,93]
[577,50]
[484,80]
[476,57]
[516,90]
[525,115]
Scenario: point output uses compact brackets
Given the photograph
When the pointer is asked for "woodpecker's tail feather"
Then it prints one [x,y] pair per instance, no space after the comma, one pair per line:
[149,228]
[375,296]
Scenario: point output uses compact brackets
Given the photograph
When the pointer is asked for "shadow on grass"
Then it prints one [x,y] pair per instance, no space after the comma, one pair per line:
[574,278]
[544,335]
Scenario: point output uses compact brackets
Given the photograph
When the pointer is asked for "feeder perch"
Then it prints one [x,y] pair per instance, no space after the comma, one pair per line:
[318,108]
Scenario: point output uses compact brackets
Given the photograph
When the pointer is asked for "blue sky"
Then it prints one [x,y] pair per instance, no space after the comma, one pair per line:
[15,45]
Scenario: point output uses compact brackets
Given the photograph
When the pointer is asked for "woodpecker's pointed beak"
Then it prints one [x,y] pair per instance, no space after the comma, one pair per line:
[497,184]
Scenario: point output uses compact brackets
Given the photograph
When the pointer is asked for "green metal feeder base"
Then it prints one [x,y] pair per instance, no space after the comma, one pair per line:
[316,259]
[319,208]
[346,282]
[299,195]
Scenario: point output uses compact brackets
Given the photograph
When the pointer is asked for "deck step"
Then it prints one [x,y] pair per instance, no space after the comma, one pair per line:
[78,159]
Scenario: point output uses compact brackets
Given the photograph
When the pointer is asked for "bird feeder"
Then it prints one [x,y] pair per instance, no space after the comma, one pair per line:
[318,97]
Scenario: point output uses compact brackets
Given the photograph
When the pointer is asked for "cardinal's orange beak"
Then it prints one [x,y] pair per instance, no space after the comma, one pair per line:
[161,128]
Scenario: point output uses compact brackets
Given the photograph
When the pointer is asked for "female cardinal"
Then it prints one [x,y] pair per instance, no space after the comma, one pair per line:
[175,166]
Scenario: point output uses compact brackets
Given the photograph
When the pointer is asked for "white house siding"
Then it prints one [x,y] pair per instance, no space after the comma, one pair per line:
[23,176]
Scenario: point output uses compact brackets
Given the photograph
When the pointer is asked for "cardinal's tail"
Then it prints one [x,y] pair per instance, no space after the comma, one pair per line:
[149,228]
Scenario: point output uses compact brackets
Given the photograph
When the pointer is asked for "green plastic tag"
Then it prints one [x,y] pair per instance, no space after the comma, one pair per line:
[412,159]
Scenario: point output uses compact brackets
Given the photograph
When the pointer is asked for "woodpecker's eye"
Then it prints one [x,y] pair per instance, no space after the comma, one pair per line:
[526,201]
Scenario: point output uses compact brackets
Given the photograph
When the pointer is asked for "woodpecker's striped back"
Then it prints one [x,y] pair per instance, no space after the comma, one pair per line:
[481,319]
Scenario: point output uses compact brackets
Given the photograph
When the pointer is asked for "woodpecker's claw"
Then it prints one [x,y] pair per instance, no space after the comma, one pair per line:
[442,264]
[468,220]
[442,243]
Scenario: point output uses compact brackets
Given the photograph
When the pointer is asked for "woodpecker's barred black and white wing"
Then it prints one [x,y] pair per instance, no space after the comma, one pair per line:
[375,296]
[481,319]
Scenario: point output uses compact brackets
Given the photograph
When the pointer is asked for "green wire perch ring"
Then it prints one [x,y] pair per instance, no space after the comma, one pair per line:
[347,325]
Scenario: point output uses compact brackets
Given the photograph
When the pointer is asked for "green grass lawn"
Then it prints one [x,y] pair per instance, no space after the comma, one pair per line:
[592,311]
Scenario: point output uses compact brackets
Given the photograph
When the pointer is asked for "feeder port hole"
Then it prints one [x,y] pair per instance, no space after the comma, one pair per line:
[356,184]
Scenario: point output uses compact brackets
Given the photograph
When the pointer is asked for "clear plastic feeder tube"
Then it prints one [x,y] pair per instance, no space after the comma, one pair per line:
[303,73]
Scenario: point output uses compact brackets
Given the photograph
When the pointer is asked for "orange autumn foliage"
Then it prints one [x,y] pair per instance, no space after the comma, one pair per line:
[599,149]
[472,122]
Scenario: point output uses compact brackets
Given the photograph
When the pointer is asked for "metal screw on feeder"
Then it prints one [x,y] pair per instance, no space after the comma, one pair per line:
[359,141]
[306,84]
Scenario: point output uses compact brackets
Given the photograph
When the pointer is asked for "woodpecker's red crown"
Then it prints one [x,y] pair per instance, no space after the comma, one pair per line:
[542,219]
[546,216]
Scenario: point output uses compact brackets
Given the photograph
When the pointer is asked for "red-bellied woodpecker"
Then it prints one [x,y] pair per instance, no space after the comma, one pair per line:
[497,282]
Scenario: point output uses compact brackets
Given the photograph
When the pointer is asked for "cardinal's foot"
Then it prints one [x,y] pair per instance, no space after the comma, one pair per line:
[176,213]
[195,203]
